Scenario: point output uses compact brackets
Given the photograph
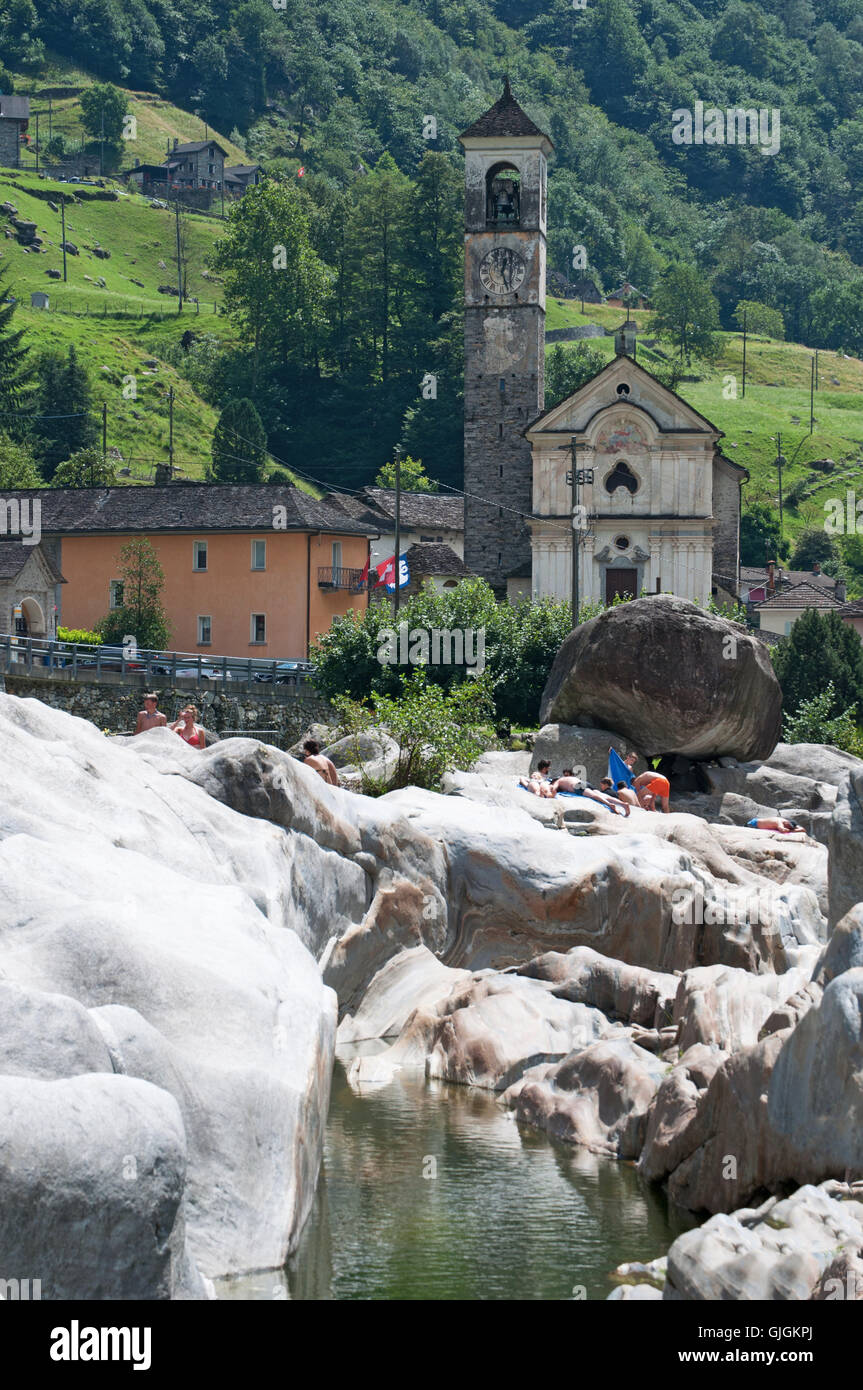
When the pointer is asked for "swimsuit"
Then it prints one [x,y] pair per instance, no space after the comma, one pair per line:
[194,741]
[664,787]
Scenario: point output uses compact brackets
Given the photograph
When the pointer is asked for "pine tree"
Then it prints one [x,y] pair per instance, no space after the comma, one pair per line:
[15,371]
[239,445]
[64,423]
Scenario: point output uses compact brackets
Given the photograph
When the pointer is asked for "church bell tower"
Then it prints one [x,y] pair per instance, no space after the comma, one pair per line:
[504,331]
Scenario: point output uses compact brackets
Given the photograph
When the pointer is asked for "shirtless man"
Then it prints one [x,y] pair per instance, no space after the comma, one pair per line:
[150,717]
[626,794]
[650,788]
[570,783]
[780,823]
[314,758]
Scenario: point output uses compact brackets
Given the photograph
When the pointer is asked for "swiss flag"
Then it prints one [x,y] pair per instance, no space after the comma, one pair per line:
[301,171]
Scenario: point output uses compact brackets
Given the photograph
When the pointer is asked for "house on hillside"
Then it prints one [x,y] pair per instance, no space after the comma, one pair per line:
[780,612]
[148,178]
[583,289]
[29,590]
[239,177]
[250,571]
[427,518]
[628,297]
[758,583]
[196,164]
[14,119]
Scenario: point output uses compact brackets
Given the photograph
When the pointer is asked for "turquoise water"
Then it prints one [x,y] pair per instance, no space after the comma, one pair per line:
[430,1191]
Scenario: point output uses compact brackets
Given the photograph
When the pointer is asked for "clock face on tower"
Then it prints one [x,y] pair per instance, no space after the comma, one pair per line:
[502,270]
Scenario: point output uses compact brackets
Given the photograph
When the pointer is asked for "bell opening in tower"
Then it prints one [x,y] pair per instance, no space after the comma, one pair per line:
[502,196]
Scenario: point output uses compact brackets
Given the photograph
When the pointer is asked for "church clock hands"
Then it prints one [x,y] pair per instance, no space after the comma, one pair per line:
[502,270]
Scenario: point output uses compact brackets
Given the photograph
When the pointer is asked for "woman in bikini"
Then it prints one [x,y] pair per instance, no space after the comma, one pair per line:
[189,730]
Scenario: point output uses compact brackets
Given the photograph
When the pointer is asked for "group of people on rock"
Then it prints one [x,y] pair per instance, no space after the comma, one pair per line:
[187,726]
[618,792]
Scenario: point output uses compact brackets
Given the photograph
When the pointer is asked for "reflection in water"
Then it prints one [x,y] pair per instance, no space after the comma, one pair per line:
[504,1213]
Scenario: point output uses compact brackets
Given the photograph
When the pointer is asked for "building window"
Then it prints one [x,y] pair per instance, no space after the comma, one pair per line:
[205,631]
[621,476]
[622,542]
[115,590]
[259,555]
[258,634]
[199,555]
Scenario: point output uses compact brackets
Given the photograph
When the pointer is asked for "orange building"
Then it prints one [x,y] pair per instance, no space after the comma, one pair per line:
[254,571]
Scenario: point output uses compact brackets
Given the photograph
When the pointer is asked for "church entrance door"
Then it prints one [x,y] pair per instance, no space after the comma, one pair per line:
[620,581]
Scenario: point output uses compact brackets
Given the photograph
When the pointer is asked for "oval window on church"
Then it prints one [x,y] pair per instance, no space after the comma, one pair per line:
[622,542]
[621,476]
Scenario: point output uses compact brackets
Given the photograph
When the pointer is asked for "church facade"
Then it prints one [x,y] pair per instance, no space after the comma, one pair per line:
[659,509]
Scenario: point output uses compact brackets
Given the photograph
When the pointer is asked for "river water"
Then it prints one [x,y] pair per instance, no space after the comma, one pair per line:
[431,1191]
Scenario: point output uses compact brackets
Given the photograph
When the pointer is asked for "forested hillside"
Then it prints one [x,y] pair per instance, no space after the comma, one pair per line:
[343,89]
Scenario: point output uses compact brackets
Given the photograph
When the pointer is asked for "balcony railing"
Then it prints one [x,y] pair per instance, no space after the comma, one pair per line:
[338,577]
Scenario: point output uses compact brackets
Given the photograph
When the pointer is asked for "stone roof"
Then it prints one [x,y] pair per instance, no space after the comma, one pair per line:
[755,574]
[852,609]
[238,169]
[187,507]
[433,560]
[14,556]
[192,145]
[801,596]
[506,117]
[360,509]
[420,509]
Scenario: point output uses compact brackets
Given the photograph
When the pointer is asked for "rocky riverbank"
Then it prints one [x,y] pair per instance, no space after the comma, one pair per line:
[183,932]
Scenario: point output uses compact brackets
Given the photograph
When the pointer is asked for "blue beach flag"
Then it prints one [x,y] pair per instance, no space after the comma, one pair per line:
[617,769]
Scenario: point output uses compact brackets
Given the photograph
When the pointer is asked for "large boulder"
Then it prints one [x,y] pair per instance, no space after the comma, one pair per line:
[844,841]
[669,678]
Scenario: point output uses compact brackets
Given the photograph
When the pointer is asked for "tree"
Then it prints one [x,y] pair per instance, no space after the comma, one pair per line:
[64,422]
[86,468]
[17,465]
[15,370]
[816,721]
[759,318]
[103,110]
[239,444]
[141,614]
[568,368]
[759,536]
[813,546]
[820,648]
[413,476]
[275,283]
[686,311]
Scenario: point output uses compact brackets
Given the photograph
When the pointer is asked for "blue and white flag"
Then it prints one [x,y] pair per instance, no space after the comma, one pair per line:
[404,574]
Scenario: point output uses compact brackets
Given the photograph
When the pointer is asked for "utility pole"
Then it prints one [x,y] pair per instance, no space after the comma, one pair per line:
[780,464]
[575,478]
[63,224]
[37,139]
[170,432]
[743,392]
[104,433]
[398,568]
[812,398]
[50,118]
[102,144]
[179,265]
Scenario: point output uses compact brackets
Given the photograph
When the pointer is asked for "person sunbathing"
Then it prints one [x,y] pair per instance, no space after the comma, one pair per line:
[570,783]
[538,783]
[785,827]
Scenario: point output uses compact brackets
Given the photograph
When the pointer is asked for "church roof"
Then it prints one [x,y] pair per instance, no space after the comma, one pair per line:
[633,366]
[14,556]
[506,117]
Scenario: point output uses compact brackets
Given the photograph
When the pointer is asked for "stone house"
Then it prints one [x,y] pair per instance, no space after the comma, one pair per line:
[627,296]
[14,118]
[427,518]
[29,590]
[196,164]
[780,612]
[239,177]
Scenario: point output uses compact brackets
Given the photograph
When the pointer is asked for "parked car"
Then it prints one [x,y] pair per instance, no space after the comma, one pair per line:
[190,671]
[286,672]
[112,659]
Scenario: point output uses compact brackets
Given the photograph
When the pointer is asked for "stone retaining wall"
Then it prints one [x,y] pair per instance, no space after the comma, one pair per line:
[114,707]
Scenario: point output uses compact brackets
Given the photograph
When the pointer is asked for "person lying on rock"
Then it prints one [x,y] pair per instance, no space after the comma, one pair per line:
[538,783]
[652,788]
[570,783]
[785,827]
[626,793]
[314,758]
[150,717]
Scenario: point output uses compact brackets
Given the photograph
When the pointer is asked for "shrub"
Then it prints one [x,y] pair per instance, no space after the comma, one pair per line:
[435,730]
[79,635]
[814,722]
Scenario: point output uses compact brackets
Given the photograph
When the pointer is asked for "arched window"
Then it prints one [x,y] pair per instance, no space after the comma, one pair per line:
[621,476]
[502,196]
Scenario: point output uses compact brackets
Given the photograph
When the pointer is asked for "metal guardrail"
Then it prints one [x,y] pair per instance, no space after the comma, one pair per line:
[51,659]
[340,577]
